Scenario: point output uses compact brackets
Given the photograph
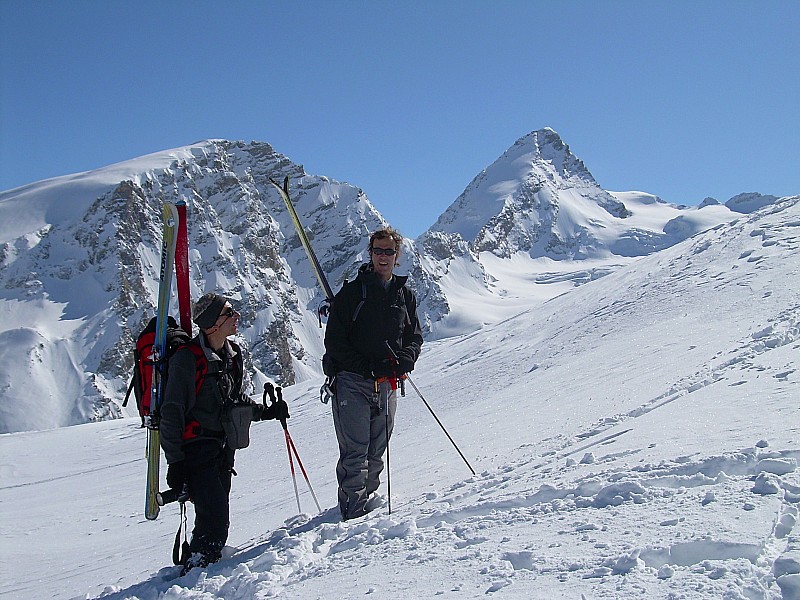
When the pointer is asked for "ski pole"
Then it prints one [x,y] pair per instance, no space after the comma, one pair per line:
[290,441]
[294,476]
[428,406]
[388,464]
[268,389]
[302,468]
[290,447]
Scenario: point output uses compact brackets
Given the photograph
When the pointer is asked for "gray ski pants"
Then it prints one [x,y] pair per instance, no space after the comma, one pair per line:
[364,422]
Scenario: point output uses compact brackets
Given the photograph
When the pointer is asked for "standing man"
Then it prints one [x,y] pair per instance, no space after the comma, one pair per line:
[373,338]
[205,380]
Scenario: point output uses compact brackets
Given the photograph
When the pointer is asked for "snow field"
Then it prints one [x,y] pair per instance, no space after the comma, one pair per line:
[636,436]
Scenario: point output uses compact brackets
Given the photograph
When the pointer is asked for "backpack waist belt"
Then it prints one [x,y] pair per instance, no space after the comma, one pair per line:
[195,430]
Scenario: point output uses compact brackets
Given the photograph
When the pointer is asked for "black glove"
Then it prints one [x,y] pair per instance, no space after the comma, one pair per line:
[386,367]
[176,475]
[276,410]
[405,361]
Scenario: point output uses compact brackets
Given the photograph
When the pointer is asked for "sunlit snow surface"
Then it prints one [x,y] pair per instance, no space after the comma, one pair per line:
[636,436]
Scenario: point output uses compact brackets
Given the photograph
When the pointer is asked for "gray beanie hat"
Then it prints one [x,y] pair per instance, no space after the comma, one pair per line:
[207,309]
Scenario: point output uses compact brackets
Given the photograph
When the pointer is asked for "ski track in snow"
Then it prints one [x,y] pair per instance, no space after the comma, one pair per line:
[483,519]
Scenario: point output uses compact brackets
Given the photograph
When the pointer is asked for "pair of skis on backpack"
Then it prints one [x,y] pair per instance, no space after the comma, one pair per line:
[150,371]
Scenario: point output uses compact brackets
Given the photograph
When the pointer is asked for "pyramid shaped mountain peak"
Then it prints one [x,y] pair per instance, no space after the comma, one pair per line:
[514,203]
[545,148]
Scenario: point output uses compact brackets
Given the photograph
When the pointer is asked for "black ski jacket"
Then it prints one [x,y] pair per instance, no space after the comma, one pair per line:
[182,405]
[364,316]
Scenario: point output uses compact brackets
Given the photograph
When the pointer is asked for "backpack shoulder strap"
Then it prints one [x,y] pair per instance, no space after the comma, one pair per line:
[363,300]
[406,293]
[201,362]
[238,365]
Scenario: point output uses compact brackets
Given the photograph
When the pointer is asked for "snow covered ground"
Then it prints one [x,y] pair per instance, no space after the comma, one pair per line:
[634,437]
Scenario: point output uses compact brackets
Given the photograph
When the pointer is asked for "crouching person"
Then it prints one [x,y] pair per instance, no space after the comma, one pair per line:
[205,381]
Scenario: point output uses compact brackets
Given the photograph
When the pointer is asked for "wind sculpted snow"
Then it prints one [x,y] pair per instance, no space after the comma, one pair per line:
[635,436]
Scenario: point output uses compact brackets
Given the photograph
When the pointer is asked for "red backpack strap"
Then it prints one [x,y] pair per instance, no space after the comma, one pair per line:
[201,364]
[192,428]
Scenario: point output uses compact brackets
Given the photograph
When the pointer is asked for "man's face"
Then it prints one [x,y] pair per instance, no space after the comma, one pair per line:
[227,320]
[383,263]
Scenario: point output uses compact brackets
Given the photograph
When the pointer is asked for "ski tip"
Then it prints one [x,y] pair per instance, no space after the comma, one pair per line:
[284,187]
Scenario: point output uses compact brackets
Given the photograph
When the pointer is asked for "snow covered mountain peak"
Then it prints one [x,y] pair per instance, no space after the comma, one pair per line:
[749,202]
[538,197]
[546,148]
[79,263]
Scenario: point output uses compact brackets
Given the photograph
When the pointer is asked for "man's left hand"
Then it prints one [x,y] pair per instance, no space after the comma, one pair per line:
[405,361]
[385,368]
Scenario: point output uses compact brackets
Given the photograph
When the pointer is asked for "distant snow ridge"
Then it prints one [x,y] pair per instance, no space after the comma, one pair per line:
[79,259]
[750,202]
[86,278]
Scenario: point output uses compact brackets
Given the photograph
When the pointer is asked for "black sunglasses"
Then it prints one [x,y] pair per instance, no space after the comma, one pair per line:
[384,251]
[228,312]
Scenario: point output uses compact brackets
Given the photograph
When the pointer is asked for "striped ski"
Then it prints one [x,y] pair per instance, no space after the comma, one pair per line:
[323,282]
[153,452]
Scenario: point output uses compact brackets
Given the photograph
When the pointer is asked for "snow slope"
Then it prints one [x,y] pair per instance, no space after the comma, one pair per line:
[41,204]
[636,436]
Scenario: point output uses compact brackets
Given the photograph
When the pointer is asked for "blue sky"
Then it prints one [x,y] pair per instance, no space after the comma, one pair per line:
[410,100]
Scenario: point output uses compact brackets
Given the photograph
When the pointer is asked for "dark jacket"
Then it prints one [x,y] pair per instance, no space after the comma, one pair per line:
[358,328]
[183,405]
